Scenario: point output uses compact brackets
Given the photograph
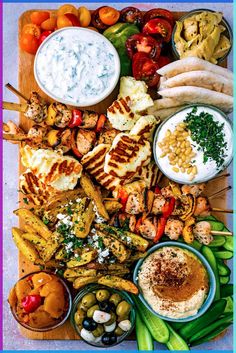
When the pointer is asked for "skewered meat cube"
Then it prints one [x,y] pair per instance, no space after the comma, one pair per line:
[85,140]
[147,229]
[158,203]
[174,228]
[195,189]
[202,207]
[135,203]
[202,232]
[37,108]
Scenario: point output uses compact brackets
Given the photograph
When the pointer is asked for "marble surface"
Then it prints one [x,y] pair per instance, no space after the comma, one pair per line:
[12,338]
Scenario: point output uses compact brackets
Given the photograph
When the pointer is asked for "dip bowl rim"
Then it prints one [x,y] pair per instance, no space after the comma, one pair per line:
[212,281]
[96,99]
[191,106]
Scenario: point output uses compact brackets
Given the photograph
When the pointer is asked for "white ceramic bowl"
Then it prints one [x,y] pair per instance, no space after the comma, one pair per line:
[56,73]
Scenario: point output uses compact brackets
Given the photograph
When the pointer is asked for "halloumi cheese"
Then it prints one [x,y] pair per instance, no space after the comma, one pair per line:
[145,127]
[149,174]
[127,155]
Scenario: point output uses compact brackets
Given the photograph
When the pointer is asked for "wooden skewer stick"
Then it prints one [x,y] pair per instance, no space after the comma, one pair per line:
[215,209]
[160,175]
[5,127]
[15,91]
[217,193]
[220,176]
[217,232]
[15,137]
[14,106]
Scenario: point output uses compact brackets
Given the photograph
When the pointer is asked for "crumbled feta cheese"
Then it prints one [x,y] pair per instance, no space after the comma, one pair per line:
[60,216]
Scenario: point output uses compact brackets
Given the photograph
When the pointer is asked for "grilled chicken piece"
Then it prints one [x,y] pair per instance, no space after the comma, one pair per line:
[90,119]
[107,136]
[37,108]
[202,207]
[167,191]
[85,141]
[195,190]
[135,203]
[63,116]
[147,229]
[174,228]
[158,204]
[202,232]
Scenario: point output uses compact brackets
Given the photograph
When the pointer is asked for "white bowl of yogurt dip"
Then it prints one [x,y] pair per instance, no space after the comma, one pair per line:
[77,66]
[194,144]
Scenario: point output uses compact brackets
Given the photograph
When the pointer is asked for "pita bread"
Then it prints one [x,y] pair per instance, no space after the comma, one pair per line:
[193,64]
[162,114]
[164,103]
[201,78]
[191,95]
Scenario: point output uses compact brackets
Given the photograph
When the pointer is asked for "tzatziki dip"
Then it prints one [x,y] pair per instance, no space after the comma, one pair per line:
[77,66]
[194,144]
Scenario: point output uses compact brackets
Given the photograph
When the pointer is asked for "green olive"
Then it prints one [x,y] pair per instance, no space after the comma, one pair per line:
[99,331]
[123,308]
[92,309]
[81,306]
[122,318]
[118,331]
[115,299]
[89,300]
[112,319]
[102,294]
[79,316]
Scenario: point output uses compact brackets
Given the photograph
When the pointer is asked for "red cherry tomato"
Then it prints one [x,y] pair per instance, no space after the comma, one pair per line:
[144,69]
[43,36]
[158,26]
[131,15]
[159,13]
[100,123]
[163,61]
[38,17]
[73,19]
[31,302]
[96,21]
[145,44]
[29,43]
[76,118]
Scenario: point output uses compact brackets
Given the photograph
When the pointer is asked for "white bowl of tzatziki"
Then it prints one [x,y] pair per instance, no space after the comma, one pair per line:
[194,144]
[77,66]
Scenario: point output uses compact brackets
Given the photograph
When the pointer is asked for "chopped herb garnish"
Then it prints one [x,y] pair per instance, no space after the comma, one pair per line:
[46,221]
[69,211]
[26,200]
[209,135]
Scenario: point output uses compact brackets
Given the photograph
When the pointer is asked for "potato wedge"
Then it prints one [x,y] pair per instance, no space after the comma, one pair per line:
[94,194]
[63,198]
[112,206]
[49,264]
[60,254]
[138,255]
[35,239]
[24,246]
[52,245]
[118,283]
[22,289]
[83,259]
[131,240]
[83,281]
[84,221]
[115,246]
[12,298]
[79,272]
[124,271]
[34,222]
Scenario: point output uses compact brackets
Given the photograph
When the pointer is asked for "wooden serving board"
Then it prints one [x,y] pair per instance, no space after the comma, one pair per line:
[27,84]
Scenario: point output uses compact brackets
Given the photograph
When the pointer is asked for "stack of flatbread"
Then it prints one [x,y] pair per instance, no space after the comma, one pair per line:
[193,80]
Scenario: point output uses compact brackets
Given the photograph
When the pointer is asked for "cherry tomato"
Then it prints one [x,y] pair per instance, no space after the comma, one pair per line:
[31,302]
[93,29]
[43,36]
[145,44]
[101,122]
[50,24]
[29,43]
[76,118]
[108,15]
[159,13]
[96,21]
[67,8]
[31,28]
[67,20]
[37,17]
[160,27]
[144,69]
[73,19]
[123,197]
[84,16]
[163,61]
[131,15]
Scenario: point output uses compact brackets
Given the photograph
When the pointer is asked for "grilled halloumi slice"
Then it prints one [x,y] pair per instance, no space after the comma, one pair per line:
[127,155]
[140,100]
[121,116]
[145,127]
[94,162]
[149,174]
[52,169]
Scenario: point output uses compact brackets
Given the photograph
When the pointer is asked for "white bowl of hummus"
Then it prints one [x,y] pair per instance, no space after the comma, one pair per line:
[175,281]
[194,144]
[77,66]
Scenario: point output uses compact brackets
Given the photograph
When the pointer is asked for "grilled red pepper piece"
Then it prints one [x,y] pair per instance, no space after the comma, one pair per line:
[145,69]
[160,229]
[76,119]
[144,44]
[168,207]
[123,197]
[160,27]
[138,224]
[157,13]
[31,302]
[101,122]
[157,190]
[73,144]
[163,61]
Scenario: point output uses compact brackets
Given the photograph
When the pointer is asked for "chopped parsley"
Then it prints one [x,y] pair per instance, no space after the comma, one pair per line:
[69,211]
[26,201]
[46,221]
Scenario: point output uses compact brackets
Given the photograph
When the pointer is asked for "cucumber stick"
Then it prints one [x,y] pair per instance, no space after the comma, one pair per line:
[176,342]
[155,325]
[227,290]
[143,336]
[211,335]
[209,255]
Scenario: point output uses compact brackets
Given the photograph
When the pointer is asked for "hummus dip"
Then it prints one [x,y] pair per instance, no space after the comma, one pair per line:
[173,282]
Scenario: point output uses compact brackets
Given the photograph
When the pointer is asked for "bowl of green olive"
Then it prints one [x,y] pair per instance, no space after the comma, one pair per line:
[102,316]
